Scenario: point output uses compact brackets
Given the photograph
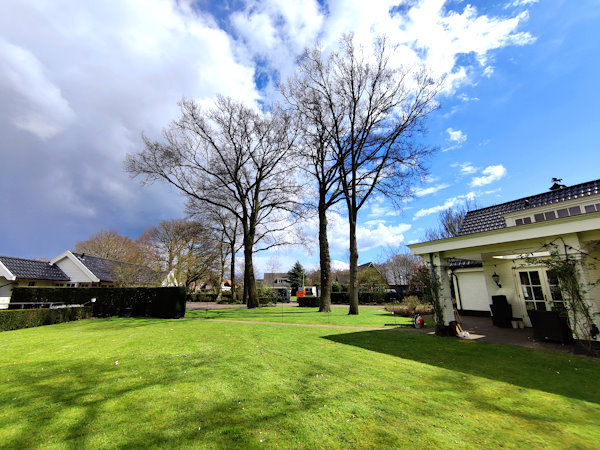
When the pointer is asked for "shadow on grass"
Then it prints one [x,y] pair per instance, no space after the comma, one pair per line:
[84,403]
[554,372]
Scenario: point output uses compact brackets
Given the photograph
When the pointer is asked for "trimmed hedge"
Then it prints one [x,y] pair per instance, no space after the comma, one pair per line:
[163,302]
[308,302]
[364,298]
[203,297]
[15,319]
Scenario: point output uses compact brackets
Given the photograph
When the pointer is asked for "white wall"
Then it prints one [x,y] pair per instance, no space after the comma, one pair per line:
[5,292]
[472,290]
[72,271]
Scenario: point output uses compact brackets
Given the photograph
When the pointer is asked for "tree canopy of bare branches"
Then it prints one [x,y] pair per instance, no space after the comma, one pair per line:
[370,113]
[231,157]
[450,221]
[187,247]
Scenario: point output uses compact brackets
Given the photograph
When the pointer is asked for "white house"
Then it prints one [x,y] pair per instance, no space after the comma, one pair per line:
[74,270]
[500,252]
[27,272]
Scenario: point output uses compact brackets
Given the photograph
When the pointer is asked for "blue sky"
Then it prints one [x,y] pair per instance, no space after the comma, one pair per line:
[81,81]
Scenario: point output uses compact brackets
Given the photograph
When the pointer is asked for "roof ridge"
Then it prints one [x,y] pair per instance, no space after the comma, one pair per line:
[534,196]
[26,259]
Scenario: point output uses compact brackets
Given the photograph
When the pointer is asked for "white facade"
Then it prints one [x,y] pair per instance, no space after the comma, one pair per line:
[516,254]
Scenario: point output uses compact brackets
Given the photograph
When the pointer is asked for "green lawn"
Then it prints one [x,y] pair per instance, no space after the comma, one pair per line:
[199,383]
[367,317]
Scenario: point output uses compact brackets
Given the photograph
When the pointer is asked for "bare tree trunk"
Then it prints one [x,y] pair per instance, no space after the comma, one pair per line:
[249,280]
[222,261]
[325,302]
[232,277]
[353,288]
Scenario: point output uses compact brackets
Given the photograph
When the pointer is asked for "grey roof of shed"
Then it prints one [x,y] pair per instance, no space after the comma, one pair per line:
[33,269]
[491,218]
[109,269]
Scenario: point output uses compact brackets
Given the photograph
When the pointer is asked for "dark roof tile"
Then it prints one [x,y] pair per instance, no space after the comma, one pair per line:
[491,218]
[32,269]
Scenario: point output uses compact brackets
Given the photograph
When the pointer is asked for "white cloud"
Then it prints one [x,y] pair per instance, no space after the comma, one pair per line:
[490,174]
[421,192]
[369,235]
[466,168]
[456,136]
[41,108]
[520,3]
[449,203]
[339,265]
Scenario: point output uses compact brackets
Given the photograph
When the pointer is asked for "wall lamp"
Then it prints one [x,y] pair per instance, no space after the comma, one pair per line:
[496,279]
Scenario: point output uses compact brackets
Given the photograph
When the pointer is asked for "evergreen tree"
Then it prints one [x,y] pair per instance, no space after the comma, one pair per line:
[296,276]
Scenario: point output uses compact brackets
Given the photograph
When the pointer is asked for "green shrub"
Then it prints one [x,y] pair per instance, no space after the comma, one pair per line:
[15,319]
[336,287]
[267,295]
[410,306]
[308,301]
[339,298]
[163,302]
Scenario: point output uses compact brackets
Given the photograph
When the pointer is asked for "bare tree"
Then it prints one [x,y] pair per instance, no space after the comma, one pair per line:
[187,247]
[398,265]
[450,221]
[373,113]
[226,227]
[231,157]
[109,244]
[311,108]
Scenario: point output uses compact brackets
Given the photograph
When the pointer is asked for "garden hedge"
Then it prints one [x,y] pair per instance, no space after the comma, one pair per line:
[308,301]
[163,302]
[15,319]
[364,298]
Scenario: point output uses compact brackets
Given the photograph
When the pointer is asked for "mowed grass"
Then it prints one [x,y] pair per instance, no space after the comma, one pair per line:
[107,383]
[367,317]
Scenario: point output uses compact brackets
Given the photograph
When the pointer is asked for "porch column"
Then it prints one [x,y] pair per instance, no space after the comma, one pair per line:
[440,268]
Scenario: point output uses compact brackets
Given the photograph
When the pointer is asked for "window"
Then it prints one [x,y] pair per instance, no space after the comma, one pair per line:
[31,283]
[563,212]
[550,215]
[574,210]
[531,287]
[590,208]
[539,217]
[519,222]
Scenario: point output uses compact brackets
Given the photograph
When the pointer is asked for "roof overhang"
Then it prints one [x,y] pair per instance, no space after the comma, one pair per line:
[75,260]
[4,272]
[482,242]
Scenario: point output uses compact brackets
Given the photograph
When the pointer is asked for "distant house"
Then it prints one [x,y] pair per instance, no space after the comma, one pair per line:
[500,252]
[27,272]
[277,280]
[86,270]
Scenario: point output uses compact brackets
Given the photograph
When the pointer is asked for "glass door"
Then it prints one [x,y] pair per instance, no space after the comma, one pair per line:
[531,290]
[540,290]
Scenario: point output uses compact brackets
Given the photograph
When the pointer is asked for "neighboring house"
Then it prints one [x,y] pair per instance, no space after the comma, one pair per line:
[277,280]
[492,256]
[86,270]
[27,272]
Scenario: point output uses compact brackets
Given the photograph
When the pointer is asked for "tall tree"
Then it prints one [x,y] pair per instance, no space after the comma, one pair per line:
[374,111]
[311,109]
[232,157]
